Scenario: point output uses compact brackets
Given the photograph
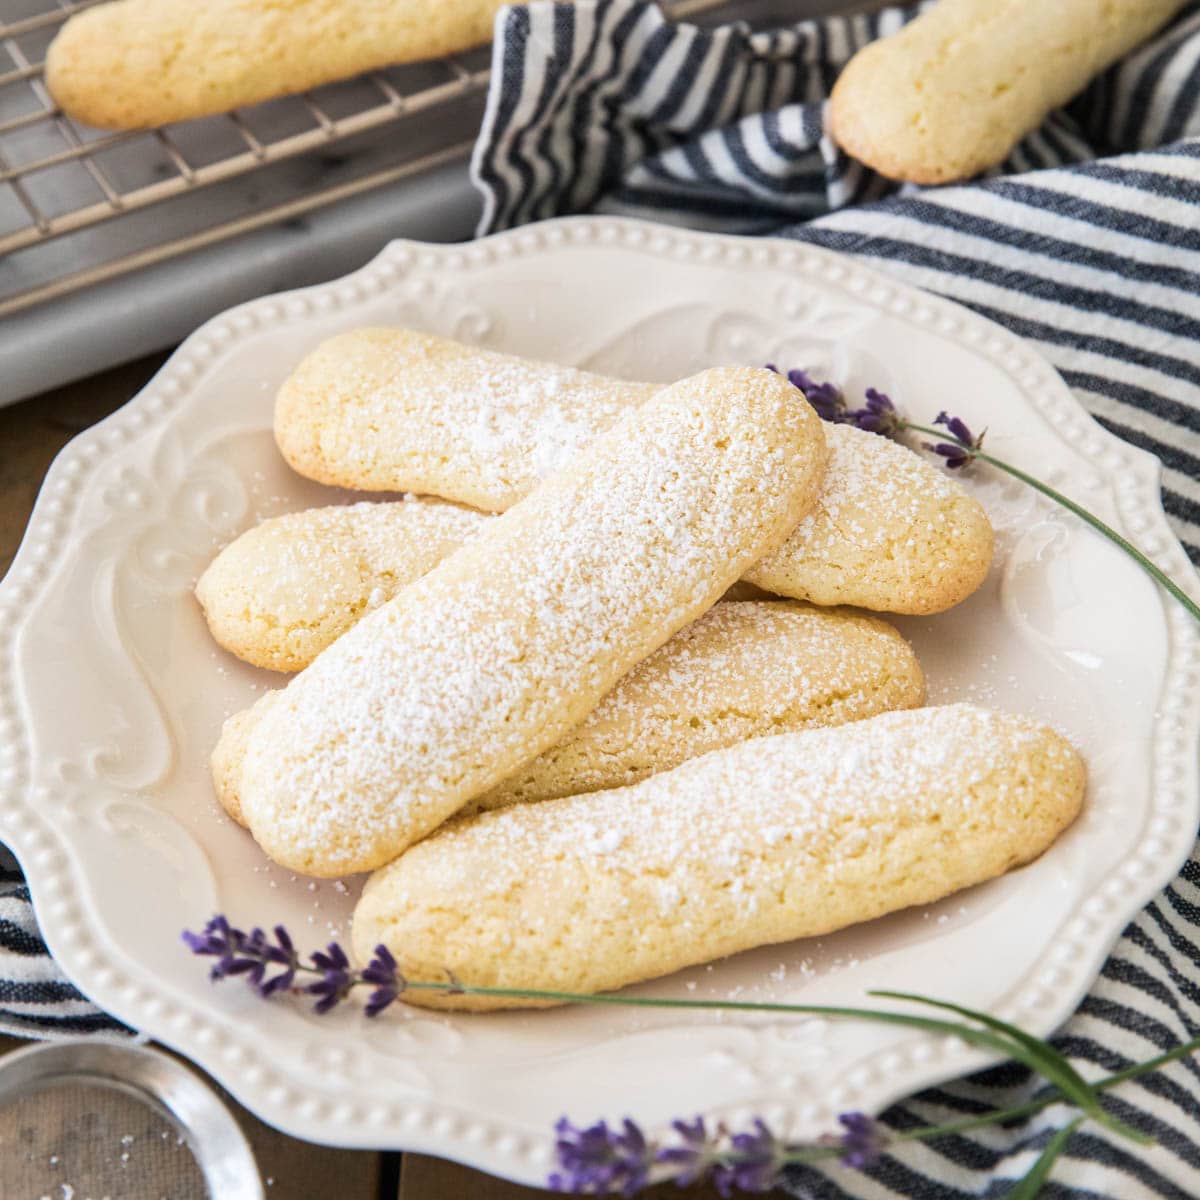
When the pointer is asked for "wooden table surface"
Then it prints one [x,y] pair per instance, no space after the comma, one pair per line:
[31,434]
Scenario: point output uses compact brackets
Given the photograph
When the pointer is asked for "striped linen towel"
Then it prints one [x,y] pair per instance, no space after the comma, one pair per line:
[35,998]
[1086,242]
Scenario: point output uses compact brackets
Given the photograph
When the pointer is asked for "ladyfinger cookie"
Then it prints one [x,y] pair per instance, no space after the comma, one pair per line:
[496,653]
[130,64]
[774,839]
[742,670]
[280,593]
[229,754]
[392,409]
[397,410]
[887,532]
[951,93]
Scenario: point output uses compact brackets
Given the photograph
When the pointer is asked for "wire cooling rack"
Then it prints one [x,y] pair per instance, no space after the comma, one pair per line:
[60,179]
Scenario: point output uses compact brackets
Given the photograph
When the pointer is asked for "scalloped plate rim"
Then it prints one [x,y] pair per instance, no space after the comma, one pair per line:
[39,846]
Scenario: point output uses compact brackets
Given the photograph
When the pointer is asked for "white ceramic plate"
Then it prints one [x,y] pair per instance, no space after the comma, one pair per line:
[112,693]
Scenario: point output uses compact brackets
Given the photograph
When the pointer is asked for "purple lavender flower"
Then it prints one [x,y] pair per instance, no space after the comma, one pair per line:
[826,398]
[337,978]
[753,1164]
[282,954]
[695,1154]
[598,1160]
[878,415]
[383,973]
[253,954]
[960,453]
[217,939]
[862,1140]
[249,954]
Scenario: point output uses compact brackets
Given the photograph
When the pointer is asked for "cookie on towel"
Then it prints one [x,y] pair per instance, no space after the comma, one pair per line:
[281,592]
[774,839]
[131,64]
[951,93]
[394,409]
[492,656]
[744,669]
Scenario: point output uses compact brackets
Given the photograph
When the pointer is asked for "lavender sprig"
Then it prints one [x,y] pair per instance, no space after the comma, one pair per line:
[965,448]
[756,1160]
[601,1161]
[753,1163]
[960,448]
[877,415]
[621,1159]
[337,977]
[862,1139]
[694,1154]
[249,954]
[827,399]
[384,976]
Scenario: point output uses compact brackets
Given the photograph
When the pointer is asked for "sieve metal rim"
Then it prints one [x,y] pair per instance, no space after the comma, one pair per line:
[213,1136]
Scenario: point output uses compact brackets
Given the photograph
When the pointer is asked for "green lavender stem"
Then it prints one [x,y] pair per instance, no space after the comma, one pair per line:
[1066,1085]
[1001,1116]
[1082,513]
[1000,1038]
[1031,1186]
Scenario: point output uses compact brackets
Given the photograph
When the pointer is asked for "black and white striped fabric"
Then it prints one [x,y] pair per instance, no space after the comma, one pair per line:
[1086,242]
[35,999]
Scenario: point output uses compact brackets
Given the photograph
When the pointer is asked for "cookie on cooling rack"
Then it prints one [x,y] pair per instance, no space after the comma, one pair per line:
[133,64]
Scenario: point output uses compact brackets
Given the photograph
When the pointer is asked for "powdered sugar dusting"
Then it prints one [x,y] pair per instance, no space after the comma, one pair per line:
[796,789]
[281,592]
[870,477]
[900,809]
[492,656]
[286,561]
[405,410]
[408,411]
[889,531]
[744,669]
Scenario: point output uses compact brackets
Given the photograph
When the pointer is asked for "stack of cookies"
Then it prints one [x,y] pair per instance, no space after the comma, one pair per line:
[588,698]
